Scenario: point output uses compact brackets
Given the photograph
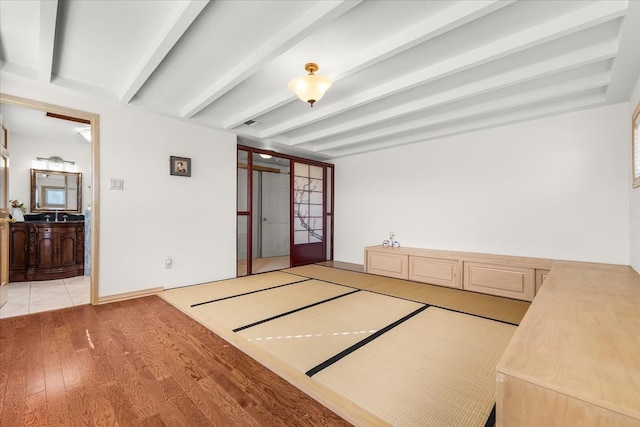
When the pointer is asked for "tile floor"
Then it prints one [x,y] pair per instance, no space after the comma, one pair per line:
[33,297]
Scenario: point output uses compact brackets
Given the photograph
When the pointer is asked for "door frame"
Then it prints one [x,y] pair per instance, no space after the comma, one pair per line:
[329,203]
[94,121]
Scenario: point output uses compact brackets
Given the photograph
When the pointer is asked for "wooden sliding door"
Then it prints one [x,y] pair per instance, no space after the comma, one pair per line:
[308,219]
[308,214]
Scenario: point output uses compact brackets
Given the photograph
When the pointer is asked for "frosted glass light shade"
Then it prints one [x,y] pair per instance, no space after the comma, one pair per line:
[310,88]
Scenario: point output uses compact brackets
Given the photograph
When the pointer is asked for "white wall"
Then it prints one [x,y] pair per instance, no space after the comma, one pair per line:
[634,196]
[554,188]
[156,215]
[25,148]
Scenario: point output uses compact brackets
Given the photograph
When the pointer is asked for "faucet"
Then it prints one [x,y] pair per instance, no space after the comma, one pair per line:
[46,217]
[64,217]
[56,220]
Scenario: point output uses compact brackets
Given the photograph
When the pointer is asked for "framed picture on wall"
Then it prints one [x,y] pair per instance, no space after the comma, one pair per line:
[180,166]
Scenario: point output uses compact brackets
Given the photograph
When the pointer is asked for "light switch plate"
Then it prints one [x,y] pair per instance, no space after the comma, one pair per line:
[116,184]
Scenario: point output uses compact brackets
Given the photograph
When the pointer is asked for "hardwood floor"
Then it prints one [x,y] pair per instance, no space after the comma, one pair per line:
[138,362]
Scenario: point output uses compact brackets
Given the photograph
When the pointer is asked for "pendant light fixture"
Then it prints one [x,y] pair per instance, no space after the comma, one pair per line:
[310,88]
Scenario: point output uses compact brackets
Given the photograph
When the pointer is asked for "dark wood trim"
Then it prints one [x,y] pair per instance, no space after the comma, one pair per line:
[70,118]
[259,168]
[284,156]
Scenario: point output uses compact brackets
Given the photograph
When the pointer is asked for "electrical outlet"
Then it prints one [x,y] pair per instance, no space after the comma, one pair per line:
[168,263]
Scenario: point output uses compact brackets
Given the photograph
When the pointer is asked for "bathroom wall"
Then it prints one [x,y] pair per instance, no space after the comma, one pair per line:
[25,148]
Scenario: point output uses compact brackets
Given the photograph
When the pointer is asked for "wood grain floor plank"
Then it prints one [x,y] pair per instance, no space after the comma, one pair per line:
[126,411]
[78,404]
[36,413]
[138,362]
[13,411]
[70,372]
[35,363]
[54,381]
[213,401]
[123,348]
[154,421]
[101,409]
[14,406]
[7,339]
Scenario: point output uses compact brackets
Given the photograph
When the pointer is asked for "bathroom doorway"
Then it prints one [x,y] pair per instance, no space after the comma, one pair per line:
[79,289]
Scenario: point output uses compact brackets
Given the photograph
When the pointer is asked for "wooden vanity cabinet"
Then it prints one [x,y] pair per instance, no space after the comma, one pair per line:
[46,251]
[56,247]
[18,248]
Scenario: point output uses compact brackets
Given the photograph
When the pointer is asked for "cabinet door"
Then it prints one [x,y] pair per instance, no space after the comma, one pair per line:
[67,248]
[46,252]
[388,264]
[435,271]
[19,244]
[501,280]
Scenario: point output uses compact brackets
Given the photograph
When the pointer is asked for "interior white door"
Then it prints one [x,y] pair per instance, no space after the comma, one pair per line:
[275,214]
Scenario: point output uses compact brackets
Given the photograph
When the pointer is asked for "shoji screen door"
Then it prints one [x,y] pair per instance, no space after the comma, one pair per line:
[310,217]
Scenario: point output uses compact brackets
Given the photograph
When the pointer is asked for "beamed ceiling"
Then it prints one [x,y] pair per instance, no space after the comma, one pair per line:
[404,71]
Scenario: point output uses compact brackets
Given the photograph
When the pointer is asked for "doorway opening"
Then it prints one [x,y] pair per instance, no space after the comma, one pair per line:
[285,211]
[86,211]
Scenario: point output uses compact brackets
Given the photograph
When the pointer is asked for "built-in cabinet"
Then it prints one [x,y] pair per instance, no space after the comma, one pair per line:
[506,276]
[573,361]
[46,250]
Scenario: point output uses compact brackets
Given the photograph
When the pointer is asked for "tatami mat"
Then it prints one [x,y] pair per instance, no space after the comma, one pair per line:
[493,307]
[249,308]
[306,339]
[436,369]
[224,288]
[335,275]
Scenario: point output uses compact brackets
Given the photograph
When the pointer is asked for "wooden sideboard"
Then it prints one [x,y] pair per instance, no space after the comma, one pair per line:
[46,250]
[506,276]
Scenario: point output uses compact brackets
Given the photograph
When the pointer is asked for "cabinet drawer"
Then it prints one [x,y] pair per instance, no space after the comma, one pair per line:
[501,280]
[388,264]
[443,272]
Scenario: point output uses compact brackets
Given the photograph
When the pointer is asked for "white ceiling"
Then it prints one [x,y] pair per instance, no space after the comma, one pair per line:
[403,71]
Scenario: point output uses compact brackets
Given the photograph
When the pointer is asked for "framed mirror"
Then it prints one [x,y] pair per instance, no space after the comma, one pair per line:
[56,191]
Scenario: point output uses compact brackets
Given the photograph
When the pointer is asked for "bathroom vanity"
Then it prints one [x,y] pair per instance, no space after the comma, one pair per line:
[46,250]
